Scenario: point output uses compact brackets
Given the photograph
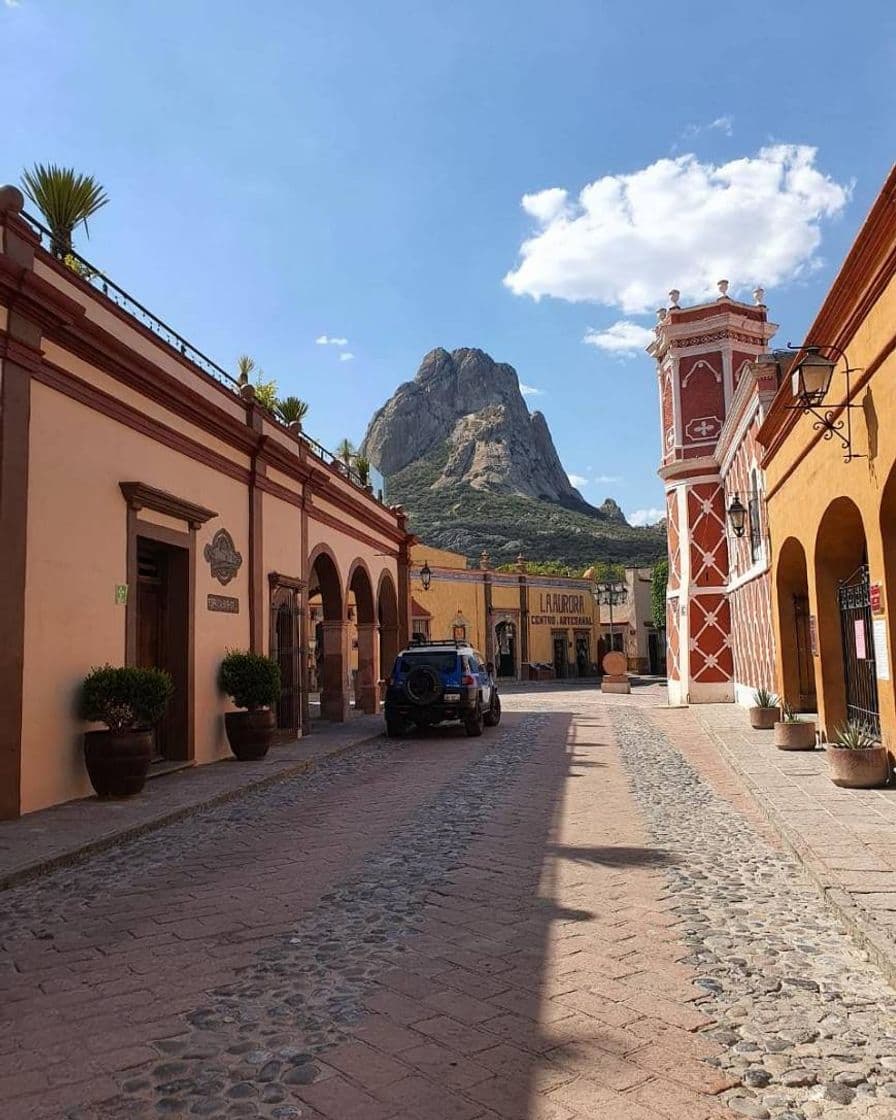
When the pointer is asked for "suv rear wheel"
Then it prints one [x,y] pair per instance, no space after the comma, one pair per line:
[475,721]
[493,716]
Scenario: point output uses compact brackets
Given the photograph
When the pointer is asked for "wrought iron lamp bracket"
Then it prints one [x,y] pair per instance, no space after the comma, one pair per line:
[825,421]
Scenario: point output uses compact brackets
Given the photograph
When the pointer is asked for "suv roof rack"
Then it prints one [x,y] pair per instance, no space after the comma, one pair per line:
[452,643]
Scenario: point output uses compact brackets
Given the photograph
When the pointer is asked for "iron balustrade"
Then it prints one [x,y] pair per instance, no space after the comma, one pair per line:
[102,284]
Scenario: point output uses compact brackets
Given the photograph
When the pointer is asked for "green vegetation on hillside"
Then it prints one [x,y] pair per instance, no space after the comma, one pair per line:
[457,517]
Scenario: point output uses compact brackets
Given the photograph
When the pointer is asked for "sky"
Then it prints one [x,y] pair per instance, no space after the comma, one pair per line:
[338,187]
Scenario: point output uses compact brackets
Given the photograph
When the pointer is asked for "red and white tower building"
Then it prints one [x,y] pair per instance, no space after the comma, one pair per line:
[701,353]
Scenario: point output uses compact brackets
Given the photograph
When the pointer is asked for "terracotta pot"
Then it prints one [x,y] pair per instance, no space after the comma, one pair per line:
[764,719]
[865,769]
[117,761]
[799,736]
[251,733]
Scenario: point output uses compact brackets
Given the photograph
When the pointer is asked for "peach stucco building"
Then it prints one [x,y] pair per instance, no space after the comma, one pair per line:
[151,513]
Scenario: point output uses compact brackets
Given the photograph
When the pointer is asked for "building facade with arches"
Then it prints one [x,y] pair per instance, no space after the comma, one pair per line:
[153,513]
[831,508]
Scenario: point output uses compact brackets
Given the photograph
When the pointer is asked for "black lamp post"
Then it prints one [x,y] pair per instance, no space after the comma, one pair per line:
[425,576]
[811,381]
[737,516]
[610,593]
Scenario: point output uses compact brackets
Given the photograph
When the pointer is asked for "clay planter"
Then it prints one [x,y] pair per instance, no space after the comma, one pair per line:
[795,736]
[117,761]
[764,719]
[251,733]
[865,769]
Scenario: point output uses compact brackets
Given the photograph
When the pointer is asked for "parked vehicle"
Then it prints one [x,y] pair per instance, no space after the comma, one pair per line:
[439,682]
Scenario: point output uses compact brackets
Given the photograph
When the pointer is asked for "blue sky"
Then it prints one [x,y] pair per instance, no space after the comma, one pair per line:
[282,171]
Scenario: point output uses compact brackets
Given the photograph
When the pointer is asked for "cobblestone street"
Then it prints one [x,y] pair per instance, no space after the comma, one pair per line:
[580,914]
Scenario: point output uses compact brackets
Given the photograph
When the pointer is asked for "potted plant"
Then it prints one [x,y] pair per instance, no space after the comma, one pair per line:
[253,682]
[793,733]
[362,466]
[66,198]
[292,411]
[129,701]
[858,760]
[766,711]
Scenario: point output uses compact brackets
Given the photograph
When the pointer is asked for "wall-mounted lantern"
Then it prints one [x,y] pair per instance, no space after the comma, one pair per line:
[737,516]
[426,576]
[811,381]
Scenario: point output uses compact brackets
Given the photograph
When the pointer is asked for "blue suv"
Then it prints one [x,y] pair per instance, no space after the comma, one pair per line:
[436,682]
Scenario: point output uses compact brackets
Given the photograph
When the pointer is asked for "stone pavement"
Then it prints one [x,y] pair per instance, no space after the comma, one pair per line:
[845,837]
[568,918]
[40,841]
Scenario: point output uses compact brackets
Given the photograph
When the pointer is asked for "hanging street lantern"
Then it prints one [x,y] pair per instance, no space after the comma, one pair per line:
[811,377]
[425,575]
[810,381]
[737,516]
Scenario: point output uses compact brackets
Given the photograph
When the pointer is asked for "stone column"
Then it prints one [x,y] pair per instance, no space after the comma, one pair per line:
[366,699]
[334,703]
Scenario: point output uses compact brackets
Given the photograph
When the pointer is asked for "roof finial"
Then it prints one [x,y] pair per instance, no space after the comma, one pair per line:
[674,296]
[723,288]
[759,297]
[660,314]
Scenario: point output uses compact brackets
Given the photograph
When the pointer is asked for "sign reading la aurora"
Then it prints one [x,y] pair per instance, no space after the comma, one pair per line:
[560,610]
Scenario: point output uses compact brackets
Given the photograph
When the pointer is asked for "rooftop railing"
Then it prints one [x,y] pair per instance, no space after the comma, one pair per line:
[98,280]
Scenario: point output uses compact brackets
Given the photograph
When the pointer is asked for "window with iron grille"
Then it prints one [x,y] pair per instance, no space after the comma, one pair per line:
[755,519]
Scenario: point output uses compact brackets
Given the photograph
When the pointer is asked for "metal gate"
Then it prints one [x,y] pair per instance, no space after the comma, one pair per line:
[859,672]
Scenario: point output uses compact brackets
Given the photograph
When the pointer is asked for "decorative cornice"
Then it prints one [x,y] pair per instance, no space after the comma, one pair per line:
[139,496]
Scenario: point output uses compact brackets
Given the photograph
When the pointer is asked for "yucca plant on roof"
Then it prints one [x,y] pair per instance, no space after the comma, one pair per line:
[66,198]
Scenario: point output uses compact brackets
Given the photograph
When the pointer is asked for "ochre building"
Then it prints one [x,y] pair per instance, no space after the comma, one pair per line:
[529,625]
[151,513]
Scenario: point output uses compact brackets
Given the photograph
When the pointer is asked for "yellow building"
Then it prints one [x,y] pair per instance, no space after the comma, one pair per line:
[531,626]
[830,483]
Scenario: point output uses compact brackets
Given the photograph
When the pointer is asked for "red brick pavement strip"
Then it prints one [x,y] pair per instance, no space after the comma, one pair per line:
[592,1014]
[66,834]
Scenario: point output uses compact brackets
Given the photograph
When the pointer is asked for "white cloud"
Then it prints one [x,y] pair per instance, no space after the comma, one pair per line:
[346,356]
[627,239]
[530,391]
[720,124]
[624,338]
[577,480]
[608,478]
[11,3]
[646,516]
[326,340]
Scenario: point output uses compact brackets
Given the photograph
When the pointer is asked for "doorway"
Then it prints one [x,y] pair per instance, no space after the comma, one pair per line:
[286,650]
[163,621]
[505,648]
[559,643]
[860,677]
[583,655]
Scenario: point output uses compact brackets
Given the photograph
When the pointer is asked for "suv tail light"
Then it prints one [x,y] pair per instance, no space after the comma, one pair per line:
[468,679]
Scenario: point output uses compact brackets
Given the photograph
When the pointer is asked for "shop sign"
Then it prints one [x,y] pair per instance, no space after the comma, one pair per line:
[881,653]
[876,597]
[225,604]
[121,594]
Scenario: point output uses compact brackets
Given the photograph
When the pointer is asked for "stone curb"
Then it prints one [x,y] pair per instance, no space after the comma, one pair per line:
[84,851]
[879,948]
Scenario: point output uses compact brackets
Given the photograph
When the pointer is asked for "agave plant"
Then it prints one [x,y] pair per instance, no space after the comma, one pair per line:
[790,715]
[854,737]
[66,199]
[292,410]
[762,698]
[265,391]
[244,366]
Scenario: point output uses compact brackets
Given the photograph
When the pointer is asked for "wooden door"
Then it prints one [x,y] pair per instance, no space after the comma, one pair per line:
[151,595]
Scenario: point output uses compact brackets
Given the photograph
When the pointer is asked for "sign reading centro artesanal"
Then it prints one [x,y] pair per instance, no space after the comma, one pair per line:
[560,610]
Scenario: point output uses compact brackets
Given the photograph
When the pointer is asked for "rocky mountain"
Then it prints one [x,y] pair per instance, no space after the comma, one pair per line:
[476,470]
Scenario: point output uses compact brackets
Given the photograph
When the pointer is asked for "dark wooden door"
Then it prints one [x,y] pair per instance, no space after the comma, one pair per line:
[151,594]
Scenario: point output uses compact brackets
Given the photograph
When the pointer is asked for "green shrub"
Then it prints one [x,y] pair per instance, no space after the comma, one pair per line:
[251,679]
[125,698]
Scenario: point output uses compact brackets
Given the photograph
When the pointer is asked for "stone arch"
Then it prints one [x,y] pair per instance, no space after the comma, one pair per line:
[360,587]
[840,551]
[796,658]
[387,616]
[330,634]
